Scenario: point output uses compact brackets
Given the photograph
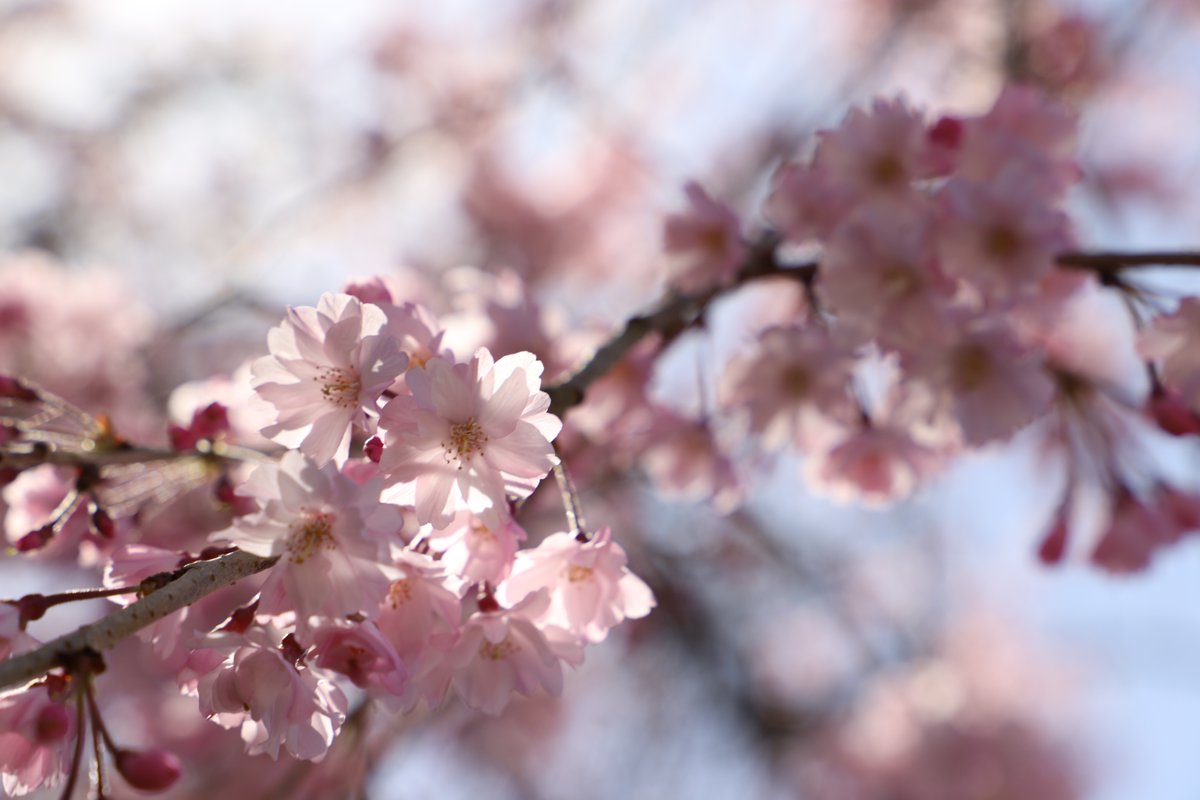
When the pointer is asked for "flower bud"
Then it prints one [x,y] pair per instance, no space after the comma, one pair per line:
[148,770]
[53,723]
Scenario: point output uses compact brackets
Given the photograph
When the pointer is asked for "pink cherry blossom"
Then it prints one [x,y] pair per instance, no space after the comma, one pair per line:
[327,369]
[806,202]
[877,464]
[999,237]
[469,436]
[791,385]
[991,383]
[591,590]
[274,699]
[475,551]
[876,153]
[37,732]
[502,651]
[416,331]
[685,461]
[420,618]
[331,535]
[880,275]
[361,653]
[704,243]
[1025,130]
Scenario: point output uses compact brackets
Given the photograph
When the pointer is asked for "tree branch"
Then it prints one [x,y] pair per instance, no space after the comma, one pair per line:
[193,582]
[677,311]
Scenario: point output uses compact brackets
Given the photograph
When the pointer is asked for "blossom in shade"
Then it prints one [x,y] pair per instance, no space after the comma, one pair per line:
[416,330]
[36,734]
[361,653]
[1025,130]
[705,242]
[806,202]
[327,369]
[264,688]
[791,384]
[330,533]
[877,464]
[876,153]
[1000,237]
[470,435]
[420,619]
[502,651]
[992,384]
[590,587]
[475,551]
[685,460]
[879,275]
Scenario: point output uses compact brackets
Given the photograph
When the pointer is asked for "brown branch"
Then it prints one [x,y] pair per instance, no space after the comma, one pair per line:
[676,311]
[195,581]
[1113,261]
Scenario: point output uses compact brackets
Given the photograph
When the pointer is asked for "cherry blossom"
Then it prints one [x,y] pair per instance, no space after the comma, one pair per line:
[330,533]
[705,243]
[420,618]
[792,385]
[36,734]
[501,651]
[591,590]
[270,695]
[327,369]
[361,653]
[470,435]
[475,551]
[877,153]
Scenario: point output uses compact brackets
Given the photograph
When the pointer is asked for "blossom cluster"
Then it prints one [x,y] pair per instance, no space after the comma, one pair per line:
[398,570]
[941,312]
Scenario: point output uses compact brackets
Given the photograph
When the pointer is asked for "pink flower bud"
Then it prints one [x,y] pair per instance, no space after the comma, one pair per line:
[53,722]
[373,449]
[35,540]
[1171,414]
[148,770]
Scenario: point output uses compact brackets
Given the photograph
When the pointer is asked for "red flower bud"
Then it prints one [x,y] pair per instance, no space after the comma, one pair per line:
[148,770]
[52,724]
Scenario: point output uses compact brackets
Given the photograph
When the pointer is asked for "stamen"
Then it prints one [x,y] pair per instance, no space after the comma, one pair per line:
[466,439]
[341,387]
[313,532]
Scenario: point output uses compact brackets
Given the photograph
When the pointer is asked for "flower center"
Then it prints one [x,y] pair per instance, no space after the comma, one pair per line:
[499,650]
[340,386]
[796,381]
[311,533]
[466,439]
[972,366]
[1002,243]
[887,170]
[400,592]
[578,574]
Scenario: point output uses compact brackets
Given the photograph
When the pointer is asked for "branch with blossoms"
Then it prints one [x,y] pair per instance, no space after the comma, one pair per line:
[370,480]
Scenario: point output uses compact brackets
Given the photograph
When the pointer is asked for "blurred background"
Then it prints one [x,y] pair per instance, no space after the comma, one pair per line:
[174,173]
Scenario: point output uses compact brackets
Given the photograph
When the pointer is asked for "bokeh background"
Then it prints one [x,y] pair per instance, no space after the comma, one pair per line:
[173,173]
